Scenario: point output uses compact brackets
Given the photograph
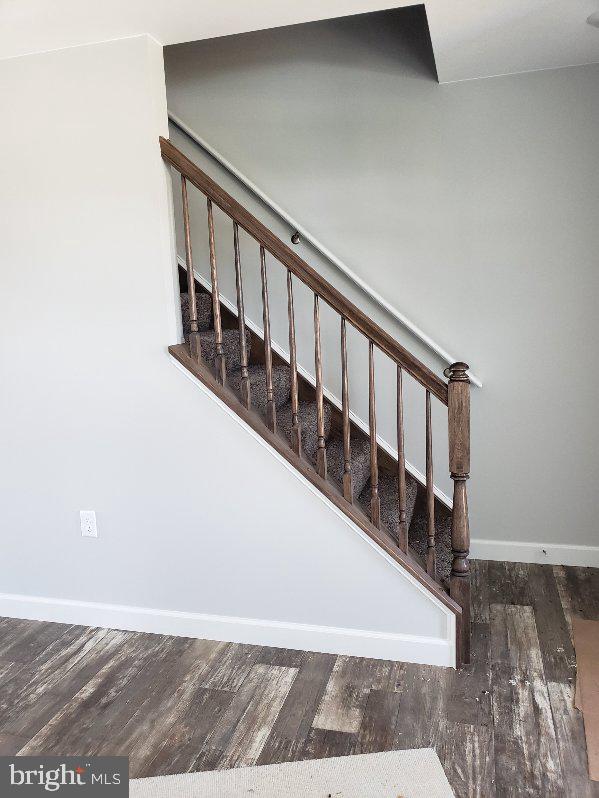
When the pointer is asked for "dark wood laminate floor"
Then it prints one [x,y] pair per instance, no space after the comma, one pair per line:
[504,726]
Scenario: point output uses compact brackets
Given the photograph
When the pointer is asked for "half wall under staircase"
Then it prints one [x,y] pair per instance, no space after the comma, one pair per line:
[319,438]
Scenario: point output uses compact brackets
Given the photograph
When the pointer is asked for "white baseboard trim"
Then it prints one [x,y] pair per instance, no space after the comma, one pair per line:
[305,637]
[548,553]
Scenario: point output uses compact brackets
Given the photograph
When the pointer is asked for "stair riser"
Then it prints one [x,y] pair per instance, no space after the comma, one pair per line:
[360,463]
[204,312]
[389,496]
[308,421]
[257,376]
[231,348]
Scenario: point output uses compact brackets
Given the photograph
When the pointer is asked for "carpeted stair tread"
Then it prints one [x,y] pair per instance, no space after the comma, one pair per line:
[281,383]
[231,347]
[308,421]
[360,462]
[389,496]
[418,541]
[204,310]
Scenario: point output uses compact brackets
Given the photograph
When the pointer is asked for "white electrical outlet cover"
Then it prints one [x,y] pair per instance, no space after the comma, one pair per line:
[89,528]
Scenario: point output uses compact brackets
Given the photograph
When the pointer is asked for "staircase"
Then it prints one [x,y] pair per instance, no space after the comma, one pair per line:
[374,489]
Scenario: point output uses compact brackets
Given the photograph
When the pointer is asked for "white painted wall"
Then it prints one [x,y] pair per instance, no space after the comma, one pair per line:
[471,38]
[200,526]
[32,25]
[471,207]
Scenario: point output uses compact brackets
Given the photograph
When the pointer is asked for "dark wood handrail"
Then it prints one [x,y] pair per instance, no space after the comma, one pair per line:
[303,271]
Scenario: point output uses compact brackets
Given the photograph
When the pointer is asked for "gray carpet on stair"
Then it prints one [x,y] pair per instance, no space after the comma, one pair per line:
[204,311]
[281,383]
[388,491]
[360,462]
[308,419]
[442,538]
[389,496]
[231,347]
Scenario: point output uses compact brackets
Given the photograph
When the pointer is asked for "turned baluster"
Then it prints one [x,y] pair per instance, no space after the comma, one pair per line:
[375,501]
[245,379]
[402,533]
[459,467]
[347,475]
[431,560]
[271,416]
[219,359]
[195,348]
[321,451]
[296,431]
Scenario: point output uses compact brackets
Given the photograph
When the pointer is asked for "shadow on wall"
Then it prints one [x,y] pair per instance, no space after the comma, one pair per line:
[380,42]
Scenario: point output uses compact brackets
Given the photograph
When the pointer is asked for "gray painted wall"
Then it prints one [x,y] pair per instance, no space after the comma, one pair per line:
[472,207]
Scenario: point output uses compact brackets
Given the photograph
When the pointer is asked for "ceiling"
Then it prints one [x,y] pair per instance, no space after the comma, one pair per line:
[471,38]
[480,38]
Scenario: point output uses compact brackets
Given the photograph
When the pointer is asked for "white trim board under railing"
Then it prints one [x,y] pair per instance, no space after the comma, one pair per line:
[296,227]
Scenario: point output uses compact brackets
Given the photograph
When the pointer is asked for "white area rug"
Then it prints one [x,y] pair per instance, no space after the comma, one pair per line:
[393,774]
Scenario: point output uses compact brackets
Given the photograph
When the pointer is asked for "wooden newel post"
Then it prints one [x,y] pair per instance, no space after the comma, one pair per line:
[459,467]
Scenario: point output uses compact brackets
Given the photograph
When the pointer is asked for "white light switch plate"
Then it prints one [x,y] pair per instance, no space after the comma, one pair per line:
[89,528]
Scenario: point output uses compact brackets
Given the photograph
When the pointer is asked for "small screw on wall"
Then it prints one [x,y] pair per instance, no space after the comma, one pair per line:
[295,238]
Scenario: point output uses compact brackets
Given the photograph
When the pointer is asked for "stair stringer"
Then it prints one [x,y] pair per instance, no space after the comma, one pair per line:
[383,611]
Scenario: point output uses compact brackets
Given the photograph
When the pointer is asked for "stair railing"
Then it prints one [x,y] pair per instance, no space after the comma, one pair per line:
[455,395]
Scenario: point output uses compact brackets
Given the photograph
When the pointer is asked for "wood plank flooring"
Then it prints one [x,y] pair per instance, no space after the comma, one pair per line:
[504,726]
